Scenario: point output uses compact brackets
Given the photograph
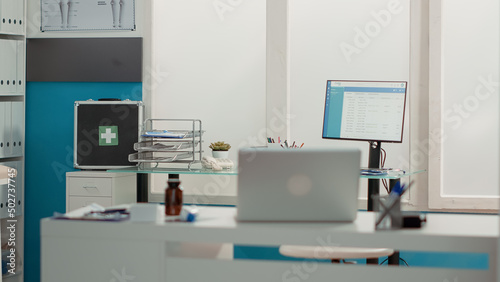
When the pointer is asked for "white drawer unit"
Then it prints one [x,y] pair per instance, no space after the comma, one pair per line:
[104,188]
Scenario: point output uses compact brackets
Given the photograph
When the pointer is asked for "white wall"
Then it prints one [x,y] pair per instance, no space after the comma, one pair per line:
[223,56]
[345,39]
[213,55]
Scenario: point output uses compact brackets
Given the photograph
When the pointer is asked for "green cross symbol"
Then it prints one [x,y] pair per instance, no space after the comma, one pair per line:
[108,135]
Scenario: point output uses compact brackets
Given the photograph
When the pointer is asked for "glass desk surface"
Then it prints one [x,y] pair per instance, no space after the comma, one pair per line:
[234,171]
[199,171]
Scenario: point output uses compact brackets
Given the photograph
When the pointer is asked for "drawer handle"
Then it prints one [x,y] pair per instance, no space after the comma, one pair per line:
[89,187]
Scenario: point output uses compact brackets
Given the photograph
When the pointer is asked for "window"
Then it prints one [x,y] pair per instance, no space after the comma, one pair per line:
[464,121]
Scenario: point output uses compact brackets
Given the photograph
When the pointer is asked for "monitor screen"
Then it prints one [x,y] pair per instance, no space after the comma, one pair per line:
[365,110]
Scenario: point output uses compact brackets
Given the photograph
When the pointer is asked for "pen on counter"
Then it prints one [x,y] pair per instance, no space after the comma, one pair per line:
[301,145]
[286,143]
[279,140]
[272,140]
[293,144]
[268,139]
[395,194]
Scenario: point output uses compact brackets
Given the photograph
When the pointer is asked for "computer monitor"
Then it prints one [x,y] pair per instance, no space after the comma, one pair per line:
[365,110]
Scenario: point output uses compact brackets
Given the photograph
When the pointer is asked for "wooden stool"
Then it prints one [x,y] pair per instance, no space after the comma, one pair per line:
[335,254]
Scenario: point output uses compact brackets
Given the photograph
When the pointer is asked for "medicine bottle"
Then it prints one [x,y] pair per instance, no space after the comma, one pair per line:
[173,195]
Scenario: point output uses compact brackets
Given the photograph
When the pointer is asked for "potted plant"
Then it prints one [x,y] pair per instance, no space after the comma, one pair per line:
[220,149]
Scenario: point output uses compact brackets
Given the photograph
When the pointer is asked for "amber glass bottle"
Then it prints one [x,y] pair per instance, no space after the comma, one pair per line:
[173,195]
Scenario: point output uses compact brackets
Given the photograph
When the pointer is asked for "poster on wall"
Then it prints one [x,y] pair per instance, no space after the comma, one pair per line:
[69,15]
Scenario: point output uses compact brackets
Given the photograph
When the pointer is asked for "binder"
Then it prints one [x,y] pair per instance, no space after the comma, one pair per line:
[2,11]
[7,11]
[3,47]
[20,66]
[3,16]
[17,129]
[7,145]
[19,18]
[12,66]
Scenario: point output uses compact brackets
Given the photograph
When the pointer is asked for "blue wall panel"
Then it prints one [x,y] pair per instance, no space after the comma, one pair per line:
[49,150]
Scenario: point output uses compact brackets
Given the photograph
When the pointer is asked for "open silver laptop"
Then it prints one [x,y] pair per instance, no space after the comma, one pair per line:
[298,184]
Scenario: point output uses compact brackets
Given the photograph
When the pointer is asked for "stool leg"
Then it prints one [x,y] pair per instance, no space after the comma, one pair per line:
[393,259]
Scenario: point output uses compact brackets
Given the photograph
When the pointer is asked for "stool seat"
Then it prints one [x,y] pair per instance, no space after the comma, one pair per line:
[332,252]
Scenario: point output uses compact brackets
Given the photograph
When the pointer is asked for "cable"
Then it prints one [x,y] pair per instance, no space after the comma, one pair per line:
[383,156]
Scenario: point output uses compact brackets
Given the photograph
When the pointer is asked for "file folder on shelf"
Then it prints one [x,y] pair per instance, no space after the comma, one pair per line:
[12,67]
[20,74]
[3,66]
[17,129]
[7,145]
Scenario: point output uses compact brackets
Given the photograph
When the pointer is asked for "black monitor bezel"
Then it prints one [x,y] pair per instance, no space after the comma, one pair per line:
[369,140]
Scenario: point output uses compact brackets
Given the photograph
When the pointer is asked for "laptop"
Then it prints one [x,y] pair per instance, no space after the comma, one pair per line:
[303,185]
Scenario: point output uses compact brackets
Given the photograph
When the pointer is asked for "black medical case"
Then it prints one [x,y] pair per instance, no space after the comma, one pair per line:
[105,133]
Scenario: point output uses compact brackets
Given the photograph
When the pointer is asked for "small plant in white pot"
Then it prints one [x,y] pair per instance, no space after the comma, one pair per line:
[220,149]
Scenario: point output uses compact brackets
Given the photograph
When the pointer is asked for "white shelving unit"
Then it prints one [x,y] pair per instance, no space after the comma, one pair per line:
[12,127]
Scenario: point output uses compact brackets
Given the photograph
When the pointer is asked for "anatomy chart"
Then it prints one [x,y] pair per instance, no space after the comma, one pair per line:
[60,15]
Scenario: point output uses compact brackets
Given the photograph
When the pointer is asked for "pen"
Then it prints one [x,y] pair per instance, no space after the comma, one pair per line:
[272,140]
[286,144]
[396,193]
[301,145]
[293,145]
[279,140]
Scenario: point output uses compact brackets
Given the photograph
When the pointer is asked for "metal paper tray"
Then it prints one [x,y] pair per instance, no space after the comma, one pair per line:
[176,134]
[159,157]
[164,146]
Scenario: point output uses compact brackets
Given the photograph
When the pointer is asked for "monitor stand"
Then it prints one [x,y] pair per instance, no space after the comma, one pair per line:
[374,191]
[373,184]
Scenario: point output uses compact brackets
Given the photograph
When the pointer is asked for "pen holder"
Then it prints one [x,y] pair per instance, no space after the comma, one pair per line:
[389,216]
